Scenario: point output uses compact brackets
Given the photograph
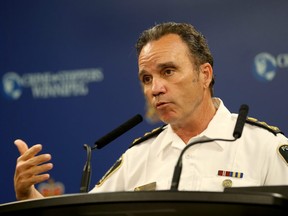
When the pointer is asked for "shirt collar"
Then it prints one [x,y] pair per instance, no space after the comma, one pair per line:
[221,123]
[168,138]
[221,126]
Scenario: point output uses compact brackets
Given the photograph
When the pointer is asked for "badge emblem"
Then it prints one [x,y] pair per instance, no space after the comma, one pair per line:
[283,150]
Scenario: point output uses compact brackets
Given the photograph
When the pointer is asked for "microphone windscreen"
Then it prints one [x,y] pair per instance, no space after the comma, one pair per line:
[243,112]
[118,131]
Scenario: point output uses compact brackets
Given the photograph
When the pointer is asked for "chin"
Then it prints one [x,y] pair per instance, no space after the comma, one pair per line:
[167,119]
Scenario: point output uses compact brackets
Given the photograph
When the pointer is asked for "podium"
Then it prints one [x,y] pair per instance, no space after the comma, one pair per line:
[152,203]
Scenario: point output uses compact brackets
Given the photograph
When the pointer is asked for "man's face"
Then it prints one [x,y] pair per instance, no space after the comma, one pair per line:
[170,81]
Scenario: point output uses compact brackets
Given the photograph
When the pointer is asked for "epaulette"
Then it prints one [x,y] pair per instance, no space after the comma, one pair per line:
[254,121]
[148,135]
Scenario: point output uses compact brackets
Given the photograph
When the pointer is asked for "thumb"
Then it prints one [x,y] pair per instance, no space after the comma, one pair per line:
[21,145]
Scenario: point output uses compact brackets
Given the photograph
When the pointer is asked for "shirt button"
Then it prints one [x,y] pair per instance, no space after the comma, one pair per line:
[187,156]
[227,183]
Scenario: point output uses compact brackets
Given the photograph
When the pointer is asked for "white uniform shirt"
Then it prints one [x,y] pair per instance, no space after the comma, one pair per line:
[252,160]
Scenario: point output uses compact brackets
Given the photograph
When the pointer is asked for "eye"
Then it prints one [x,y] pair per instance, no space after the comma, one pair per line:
[168,72]
[146,79]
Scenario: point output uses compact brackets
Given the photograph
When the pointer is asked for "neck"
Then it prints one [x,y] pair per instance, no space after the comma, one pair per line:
[197,123]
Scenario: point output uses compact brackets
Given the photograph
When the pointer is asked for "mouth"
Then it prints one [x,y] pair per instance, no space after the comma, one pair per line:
[160,105]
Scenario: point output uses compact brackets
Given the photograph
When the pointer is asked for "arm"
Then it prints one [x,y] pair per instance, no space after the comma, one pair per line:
[278,163]
[30,170]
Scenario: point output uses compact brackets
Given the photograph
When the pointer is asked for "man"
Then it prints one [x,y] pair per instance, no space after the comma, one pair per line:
[176,73]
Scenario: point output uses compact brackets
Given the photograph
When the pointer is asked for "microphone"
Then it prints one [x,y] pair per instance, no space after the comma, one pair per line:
[243,112]
[100,143]
[238,129]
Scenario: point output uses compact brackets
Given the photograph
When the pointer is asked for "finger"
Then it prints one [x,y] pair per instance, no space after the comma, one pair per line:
[23,184]
[27,183]
[25,152]
[39,179]
[21,145]
[40,169]
[24,179]
[38,160]
[33,174]
[30,166]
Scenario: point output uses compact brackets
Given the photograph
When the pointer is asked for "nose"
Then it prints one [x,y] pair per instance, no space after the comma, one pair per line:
[158,87]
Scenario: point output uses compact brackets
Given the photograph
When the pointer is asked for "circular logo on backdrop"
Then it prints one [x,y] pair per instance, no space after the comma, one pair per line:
[265,66]
[12,86]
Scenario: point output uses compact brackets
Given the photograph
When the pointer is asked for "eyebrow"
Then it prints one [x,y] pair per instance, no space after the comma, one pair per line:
[166,65]
[160,67]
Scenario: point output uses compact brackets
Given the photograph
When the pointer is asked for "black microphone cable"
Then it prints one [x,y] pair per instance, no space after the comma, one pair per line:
[243,111]
[178,167]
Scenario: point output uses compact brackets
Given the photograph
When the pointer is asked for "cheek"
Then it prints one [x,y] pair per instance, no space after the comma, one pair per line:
[189,90]
[145,90]
[147,93]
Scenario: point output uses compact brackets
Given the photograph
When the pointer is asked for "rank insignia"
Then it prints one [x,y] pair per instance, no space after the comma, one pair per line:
[230,174]
[254,121]
[113,169]
[148,135]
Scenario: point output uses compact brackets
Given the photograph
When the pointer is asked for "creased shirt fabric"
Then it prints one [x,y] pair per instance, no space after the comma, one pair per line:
[254,155]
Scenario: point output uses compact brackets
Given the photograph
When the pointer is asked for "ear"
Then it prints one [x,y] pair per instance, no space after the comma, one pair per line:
[207,74]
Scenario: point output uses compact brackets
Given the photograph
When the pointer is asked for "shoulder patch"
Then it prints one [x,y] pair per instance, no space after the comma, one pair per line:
[148,135]
[283,150]
[113,169]
[254,121]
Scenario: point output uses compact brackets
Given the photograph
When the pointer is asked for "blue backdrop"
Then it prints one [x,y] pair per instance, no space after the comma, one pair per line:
[68,72]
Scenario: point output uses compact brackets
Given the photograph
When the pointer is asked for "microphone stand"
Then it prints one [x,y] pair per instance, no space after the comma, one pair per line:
[86,174]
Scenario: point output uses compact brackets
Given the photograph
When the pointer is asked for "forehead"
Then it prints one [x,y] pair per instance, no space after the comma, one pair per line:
[169,41]
[168,48]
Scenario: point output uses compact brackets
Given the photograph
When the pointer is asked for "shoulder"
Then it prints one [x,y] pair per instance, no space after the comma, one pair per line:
[273,129]
[148,135]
